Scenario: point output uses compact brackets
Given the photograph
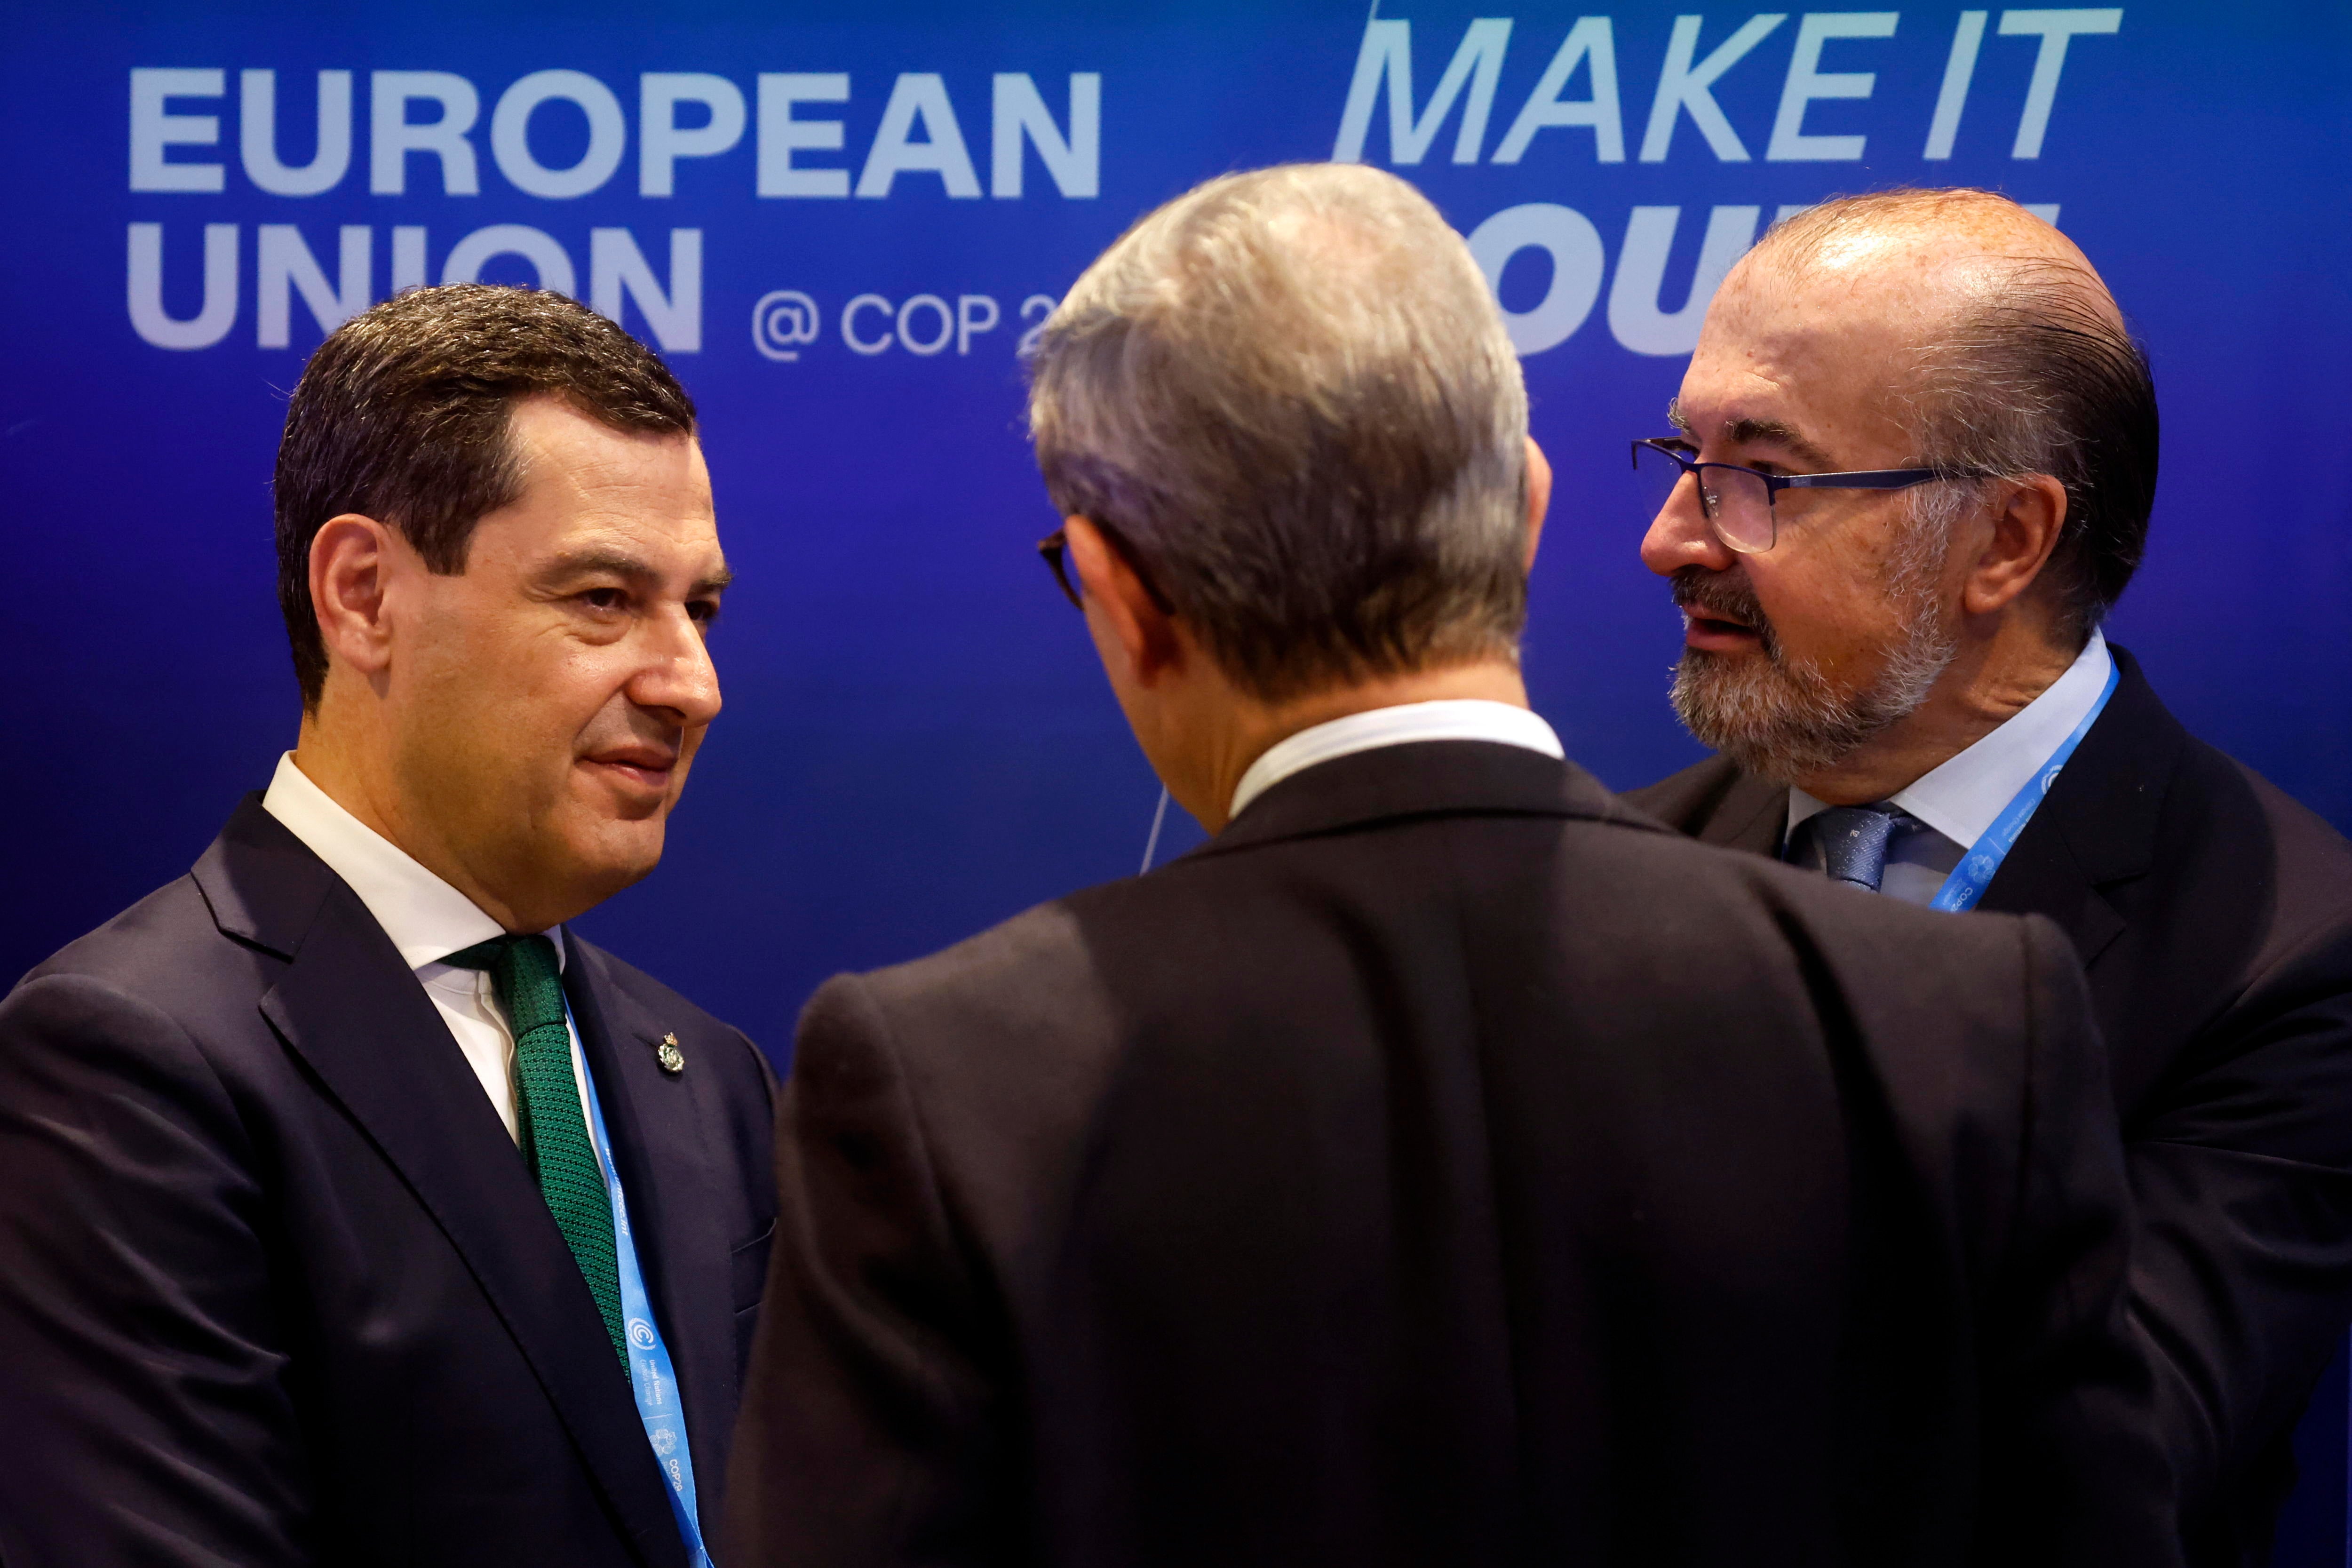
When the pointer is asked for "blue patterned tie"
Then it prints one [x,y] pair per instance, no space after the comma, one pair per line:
[1853,840]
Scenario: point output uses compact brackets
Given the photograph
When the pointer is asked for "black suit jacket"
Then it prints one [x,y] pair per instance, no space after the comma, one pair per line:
[2213,916]
[276,1285]
[1444,1165]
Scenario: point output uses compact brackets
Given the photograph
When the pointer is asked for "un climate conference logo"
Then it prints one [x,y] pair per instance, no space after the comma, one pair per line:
[641,1333]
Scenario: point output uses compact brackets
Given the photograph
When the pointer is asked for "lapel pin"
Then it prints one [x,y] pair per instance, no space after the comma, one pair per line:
[672,1059]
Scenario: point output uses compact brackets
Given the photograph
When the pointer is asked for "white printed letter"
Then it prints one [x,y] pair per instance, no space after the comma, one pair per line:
[1076,163]
[534,246]
[1388,50]
[969,319]
[152,130]
[918,95]
[210,324]
[608,133]
[2054,27]
[1807,82]
[1589,38]
[616,266]
[257,129]
[1566,236]
[781,135]
[1633,313]
[662,141]
[392,137]
[1683,86]
[283,263]
[408,259]
[1960,66]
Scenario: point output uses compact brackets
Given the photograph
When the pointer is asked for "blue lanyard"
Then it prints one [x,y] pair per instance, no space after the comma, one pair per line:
[1970,878]
[649,1365]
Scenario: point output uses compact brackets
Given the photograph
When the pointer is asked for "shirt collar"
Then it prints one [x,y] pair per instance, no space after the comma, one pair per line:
[1961,796]
[1454,719]
[427,919]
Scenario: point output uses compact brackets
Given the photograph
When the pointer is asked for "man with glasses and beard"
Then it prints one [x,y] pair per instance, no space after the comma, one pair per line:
[1916,450]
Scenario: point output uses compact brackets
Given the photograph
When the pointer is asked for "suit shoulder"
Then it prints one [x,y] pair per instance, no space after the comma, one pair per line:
[1896,969]
[1070,967]
[165,951]
[1681,800]
[1790,892]
[2225,783]
[2232,810]
[1009,974]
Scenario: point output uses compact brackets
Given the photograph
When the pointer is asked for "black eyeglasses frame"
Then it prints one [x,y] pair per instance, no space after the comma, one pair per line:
[1055,546]
[1854,479]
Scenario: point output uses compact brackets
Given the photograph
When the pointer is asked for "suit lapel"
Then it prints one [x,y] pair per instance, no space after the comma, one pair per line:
[657,1122]
[350,1008]
[1753,816]
[2096,828]
[2042,877]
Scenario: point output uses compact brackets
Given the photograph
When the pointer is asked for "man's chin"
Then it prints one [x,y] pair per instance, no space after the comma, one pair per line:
[601,848]
[605,867]
[1754,711]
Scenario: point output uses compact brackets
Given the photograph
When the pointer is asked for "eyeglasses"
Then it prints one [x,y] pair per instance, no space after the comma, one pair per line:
[1056,548]
[1737,503]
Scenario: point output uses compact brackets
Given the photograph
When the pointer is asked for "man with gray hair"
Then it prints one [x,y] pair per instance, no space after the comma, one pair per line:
[1914,457]
[1442,1164]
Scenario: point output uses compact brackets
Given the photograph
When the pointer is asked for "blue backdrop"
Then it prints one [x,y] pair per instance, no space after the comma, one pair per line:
[840,229]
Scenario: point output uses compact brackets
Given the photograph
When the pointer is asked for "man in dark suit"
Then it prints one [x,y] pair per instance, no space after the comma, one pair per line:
[1894,678]
[1444,1164]
[352,1210]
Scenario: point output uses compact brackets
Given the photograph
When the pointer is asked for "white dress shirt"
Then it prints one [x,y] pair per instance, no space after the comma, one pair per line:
[428,921]
[1957,801]
[1455,719]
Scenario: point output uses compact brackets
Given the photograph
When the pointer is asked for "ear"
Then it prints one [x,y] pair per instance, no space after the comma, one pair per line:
[1119,607]
[353,559]
[1538,497]
[2029,516]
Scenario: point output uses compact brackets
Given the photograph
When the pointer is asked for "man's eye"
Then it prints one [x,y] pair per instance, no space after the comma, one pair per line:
[605,599]
[703,611]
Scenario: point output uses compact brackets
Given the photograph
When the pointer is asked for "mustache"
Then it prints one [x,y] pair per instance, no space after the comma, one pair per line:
[1726,594]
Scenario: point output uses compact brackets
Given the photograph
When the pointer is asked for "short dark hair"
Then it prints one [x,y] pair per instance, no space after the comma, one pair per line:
[402,415]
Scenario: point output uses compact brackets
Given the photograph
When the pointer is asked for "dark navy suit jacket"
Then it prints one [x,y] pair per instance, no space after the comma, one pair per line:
[1446,1166]
[2213,916]
[276,1285]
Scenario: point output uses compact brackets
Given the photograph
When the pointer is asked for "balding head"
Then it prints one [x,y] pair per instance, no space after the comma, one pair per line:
[1930,245]
[1994,345]
[1960,363]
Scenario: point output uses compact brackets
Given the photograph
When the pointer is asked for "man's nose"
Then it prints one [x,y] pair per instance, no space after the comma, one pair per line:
[677,673]
[1681,536]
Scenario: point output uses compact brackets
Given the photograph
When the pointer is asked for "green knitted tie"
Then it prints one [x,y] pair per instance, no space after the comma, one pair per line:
[554,1135]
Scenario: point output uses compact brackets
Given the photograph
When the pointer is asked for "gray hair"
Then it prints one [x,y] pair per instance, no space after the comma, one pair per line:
[2033,372]
[1290,396]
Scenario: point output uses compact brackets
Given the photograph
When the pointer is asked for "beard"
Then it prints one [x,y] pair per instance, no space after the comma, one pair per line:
[1781,716]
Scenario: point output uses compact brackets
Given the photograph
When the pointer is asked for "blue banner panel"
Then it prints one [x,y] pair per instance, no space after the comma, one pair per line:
[841,226]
